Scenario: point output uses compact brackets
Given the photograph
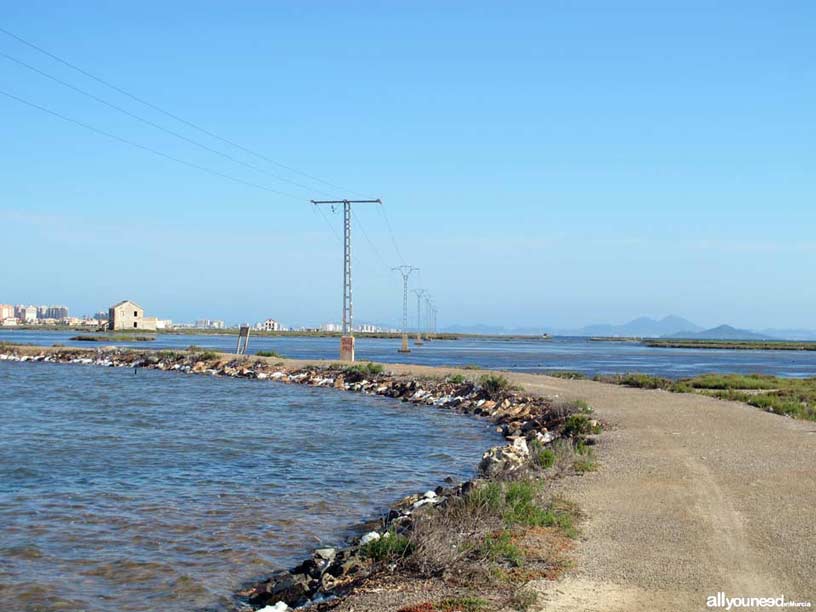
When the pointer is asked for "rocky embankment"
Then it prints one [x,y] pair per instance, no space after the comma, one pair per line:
[524,421]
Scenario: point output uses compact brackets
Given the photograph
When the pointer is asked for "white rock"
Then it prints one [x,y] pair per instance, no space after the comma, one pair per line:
[520,444]
[371,536]
[545,437]
[278,607]
[429,494]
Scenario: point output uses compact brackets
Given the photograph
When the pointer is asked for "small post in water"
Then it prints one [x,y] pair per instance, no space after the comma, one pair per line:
[243,340]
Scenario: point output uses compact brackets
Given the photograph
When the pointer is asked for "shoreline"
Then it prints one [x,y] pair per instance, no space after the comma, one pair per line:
[524,420]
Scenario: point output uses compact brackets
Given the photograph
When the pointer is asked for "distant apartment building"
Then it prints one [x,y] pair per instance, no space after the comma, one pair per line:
[6,312]
[101,316]
[209,324]
[331,327]
[129,315]
[28,314]
[269,325]
[56,312]
[367,328]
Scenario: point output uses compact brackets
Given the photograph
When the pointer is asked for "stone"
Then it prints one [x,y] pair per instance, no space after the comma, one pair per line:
[326,554]
[278,607]
[283,586]
[371,536]
[505,458]
[544,437]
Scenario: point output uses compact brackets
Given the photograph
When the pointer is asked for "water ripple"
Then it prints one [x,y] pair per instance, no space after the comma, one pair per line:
[163,491]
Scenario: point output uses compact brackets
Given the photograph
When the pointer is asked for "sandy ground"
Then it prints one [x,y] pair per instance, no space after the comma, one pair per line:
[694,496]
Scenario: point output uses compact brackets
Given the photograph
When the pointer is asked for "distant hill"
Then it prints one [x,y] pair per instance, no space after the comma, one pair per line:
[723,332]
[642,327]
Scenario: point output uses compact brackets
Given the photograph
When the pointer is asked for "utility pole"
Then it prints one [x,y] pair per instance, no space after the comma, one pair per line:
[347,338]
[406,272]
[419,294]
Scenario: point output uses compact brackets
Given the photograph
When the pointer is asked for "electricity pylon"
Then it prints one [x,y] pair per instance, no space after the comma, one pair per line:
[428,317]
[419,294]
[347,338]
[406,272]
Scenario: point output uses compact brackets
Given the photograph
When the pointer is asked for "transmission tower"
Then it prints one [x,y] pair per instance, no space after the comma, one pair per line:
[419,294]
[347,338]
[406,272]
[428,317]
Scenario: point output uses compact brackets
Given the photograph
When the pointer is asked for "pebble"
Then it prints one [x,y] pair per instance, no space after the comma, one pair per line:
[278,607]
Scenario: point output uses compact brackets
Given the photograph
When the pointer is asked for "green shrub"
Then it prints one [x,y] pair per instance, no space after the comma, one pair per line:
[568,375]
[269,354]
[208,356]
[368,369]
[456,379]
[524,599]
[542,456]
[494,384]
[390,546]
[732,381]
[584,458]
[501,549]
[580,425]
[582,406]
[461,604]
[488,496]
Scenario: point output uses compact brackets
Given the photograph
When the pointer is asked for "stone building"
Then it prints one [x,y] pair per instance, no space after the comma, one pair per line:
[129,315]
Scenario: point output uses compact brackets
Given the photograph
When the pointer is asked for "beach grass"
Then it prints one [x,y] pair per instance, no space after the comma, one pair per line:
[794,397]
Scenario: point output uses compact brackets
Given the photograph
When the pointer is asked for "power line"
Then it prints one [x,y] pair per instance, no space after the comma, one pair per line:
[370,243]
[154,124]
[391,233]
[165,112]
[331,227]
[145,147]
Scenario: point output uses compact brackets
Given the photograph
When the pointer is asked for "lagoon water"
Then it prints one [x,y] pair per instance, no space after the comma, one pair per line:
[160,491]
[523,355]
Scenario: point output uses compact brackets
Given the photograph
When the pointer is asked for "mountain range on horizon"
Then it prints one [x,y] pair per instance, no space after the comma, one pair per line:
[670,326]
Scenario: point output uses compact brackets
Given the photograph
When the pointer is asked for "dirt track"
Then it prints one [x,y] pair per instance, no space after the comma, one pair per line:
[694,496]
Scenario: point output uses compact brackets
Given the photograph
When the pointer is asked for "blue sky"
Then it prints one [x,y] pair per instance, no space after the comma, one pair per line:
[544,163]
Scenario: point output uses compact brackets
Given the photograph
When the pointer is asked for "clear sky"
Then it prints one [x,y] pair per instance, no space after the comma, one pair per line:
[544,163]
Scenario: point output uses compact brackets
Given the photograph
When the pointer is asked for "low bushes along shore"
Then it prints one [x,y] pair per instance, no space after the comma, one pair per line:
[794,397]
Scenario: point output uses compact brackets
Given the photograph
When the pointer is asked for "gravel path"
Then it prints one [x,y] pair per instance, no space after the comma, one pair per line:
[694,496]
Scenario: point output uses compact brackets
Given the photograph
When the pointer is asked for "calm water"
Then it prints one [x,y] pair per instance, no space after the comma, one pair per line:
[578,354]
[161,491]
